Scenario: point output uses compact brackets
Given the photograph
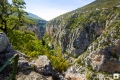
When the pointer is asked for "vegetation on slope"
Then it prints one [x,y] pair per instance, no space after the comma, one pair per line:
[97,11]
[34,18]
[100,14]
[27,43]
[12,19]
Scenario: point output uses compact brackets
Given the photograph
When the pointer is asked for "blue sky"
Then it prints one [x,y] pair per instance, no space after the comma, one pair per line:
[49,9]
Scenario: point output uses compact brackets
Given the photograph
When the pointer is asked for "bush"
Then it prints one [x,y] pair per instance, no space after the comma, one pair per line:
[27,43]
[88,76]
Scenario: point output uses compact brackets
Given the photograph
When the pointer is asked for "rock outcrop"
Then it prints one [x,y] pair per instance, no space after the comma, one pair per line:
[4,42]
[34,69]
[38,29]
[28,69]
[43,65]
[6,50]
[32,76]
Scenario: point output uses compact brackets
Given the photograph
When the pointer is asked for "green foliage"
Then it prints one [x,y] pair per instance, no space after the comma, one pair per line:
[20,39]
[27,43]
[33,18]
[59,63]
[12,15]
[90,68]
[79,61]
[88,76]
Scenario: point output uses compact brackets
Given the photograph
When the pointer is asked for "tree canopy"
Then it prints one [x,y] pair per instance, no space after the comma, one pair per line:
[12,14]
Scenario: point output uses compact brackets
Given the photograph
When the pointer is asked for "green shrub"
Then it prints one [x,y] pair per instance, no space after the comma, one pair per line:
[27,43]
[88,76]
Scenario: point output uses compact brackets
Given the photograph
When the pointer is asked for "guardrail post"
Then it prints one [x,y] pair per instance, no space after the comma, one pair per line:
[16,56]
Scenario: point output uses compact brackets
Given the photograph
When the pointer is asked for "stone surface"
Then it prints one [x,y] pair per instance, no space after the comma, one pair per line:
[4,42]
[38,29]
[106,59]
[26,65]
[43,65]
[78,39]
[6,50]
[39,69]
[32,76]
[75,72]
[23,63]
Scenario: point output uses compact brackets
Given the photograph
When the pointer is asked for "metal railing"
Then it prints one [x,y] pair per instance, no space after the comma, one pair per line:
[15,63]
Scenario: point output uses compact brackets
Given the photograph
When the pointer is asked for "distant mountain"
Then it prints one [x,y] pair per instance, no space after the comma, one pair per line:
[34,16]
[38,27]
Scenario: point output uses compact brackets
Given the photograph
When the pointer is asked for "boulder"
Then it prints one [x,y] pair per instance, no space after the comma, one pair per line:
[6,50]
[4,42]
[23,63]
[29,69]
[43,65]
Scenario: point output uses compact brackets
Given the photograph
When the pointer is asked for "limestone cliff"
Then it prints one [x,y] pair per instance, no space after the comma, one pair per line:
[76,30]
[38,28]
[36,25]
[92,34]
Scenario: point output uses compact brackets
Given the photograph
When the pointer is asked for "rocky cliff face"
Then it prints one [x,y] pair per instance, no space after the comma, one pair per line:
[38,29]
[91,33]
[76,30]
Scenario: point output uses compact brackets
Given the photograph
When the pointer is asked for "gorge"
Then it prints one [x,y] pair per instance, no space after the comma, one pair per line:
[83,44]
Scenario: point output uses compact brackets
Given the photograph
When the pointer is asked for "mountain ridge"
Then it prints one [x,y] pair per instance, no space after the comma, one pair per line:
[35,16]
[90,35]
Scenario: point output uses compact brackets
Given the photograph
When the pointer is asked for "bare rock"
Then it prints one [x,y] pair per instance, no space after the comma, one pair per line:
[4,42]
[75,73]
[24,61]
[32,76]
[43,65]
[30,69]
[6,50]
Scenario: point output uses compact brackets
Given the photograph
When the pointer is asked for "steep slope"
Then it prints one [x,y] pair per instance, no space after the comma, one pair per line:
[76,30]
[34,16]
[91,33]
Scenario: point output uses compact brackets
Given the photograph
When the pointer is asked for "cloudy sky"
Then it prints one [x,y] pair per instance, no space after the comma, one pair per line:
[49,9]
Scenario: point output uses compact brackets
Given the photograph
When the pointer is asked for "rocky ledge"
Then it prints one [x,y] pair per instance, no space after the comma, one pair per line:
[28,69]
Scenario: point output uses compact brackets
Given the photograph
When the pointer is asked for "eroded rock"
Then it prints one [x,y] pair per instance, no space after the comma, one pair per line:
[6,50]
[4,42]
[43,65]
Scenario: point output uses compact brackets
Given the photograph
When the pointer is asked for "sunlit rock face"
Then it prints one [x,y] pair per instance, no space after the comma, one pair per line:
[90,35]
[106,59]
[43,65]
